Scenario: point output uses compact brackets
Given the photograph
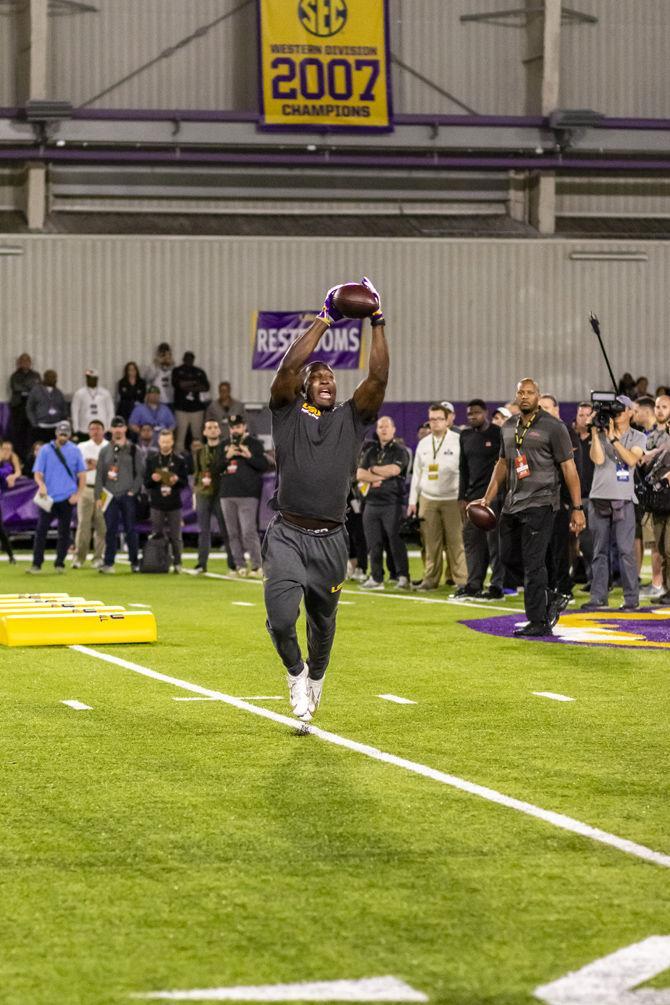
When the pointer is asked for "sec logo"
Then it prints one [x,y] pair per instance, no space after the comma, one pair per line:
[322,17]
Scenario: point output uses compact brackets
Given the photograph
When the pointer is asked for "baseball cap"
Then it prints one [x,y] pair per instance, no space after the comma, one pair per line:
[504,412]
[117,422]
[64,427]
[152,389]
[164,347]
[90,373]
[449,407]
[624,400]
[235,420]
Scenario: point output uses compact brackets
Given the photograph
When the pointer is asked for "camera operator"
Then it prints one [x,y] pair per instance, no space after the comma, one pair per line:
[615,450]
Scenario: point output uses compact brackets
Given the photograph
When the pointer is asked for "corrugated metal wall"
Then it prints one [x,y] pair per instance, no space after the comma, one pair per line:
[621,197]
[8,57]
[91,52]
[620,65]
[465,317]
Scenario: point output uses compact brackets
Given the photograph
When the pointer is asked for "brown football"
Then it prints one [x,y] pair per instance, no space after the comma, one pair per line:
[481,516]
[355,300]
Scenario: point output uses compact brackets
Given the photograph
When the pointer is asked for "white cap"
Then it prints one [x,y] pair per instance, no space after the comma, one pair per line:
[504,411]
[449,407]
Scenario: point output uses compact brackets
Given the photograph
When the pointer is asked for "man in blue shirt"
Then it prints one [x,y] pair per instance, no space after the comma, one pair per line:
[60,474]
[154,413]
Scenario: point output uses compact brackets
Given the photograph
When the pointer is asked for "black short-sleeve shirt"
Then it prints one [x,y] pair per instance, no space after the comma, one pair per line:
[391,490]
[316,453]
[546,445]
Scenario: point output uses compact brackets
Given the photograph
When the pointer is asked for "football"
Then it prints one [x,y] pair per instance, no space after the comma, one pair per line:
[355,300]
[481,516]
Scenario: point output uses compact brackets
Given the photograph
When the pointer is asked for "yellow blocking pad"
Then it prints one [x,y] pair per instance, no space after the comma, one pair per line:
[84,608]
[69,628]
[45,605]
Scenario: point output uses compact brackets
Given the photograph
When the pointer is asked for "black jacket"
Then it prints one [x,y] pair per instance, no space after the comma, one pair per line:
[172,464]
[241,477]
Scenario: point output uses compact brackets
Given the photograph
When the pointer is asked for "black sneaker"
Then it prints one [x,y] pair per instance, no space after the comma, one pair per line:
[556,602]
[492,593]
[465,591]
[533,629]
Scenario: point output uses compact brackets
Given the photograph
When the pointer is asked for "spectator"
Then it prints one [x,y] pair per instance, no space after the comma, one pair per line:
[165,478]
[46,407]
[208,462]
[641,389]
[10,465]
[614,451]
[224,406]
[383,469]
[130,390]
[500,416]
[582,545]
[9,472]
[434,489]
[451,416]
[422,431]
[21,384]
[240,489]
[29,462]
[60,474]
[190,385]
[644,419]
[656,462]
[90,518]
[558,553]
[118,481]
[145,440]
[480,447]
[626,384]
[159,373]
[534,447]
[152,412]
[90,402]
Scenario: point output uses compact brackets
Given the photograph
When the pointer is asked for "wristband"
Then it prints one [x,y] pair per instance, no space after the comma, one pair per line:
[578,508]
[614,439]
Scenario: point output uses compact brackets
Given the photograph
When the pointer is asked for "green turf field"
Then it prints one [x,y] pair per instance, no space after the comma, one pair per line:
[151,844]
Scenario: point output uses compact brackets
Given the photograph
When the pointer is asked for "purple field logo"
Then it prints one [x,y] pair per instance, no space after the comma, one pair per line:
[647,629]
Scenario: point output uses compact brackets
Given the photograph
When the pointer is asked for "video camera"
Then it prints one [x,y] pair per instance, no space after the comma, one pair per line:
[605,407]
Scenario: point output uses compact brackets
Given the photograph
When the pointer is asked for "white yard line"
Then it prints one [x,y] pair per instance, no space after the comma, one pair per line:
[253,697]
[242,603]
[483,792]
[382,594]
[397,699]
[370,989]
[553,696]
[78,705]
[140,605]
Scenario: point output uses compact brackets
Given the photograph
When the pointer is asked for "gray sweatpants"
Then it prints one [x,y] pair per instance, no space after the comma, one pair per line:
[301,564]
[605,530]
[240,514]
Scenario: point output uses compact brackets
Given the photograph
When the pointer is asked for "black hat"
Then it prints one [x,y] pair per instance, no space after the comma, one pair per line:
[235,420]
[164,347]
[117,422]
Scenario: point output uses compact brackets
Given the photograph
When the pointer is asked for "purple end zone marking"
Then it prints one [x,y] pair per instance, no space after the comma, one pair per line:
[653,629]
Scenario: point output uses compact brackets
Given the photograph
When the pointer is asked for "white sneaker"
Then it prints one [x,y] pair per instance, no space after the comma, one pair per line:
[297,689]
[314,689]
[372,584]
[403,583]
[76,564]
[652,591]
[358,575]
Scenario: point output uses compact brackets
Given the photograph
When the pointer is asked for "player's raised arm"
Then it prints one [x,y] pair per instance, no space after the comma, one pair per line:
[288,378]
[369,394]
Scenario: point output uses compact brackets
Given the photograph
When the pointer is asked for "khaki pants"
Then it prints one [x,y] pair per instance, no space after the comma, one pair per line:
[89,519]
[662,535]
[186,421]
[442,529]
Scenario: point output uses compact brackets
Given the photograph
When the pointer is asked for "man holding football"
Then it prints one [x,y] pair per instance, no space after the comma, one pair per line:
[317,444]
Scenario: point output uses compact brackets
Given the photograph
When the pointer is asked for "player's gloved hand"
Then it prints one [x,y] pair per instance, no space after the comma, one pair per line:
[377,317]
[329,312]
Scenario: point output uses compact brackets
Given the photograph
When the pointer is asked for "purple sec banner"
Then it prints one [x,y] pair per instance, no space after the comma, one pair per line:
[273,331]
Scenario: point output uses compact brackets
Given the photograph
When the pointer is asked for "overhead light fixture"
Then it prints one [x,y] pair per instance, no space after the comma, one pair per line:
[575,118]
[609,256]
[47,111]
[9,250]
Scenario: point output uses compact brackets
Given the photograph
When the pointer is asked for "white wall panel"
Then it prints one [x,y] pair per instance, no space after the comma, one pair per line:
[9,22]
[633,197]
[93,51]
[465,317]
[620,65]
[478,63]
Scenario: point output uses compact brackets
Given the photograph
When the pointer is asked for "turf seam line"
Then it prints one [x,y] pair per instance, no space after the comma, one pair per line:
[558,820]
